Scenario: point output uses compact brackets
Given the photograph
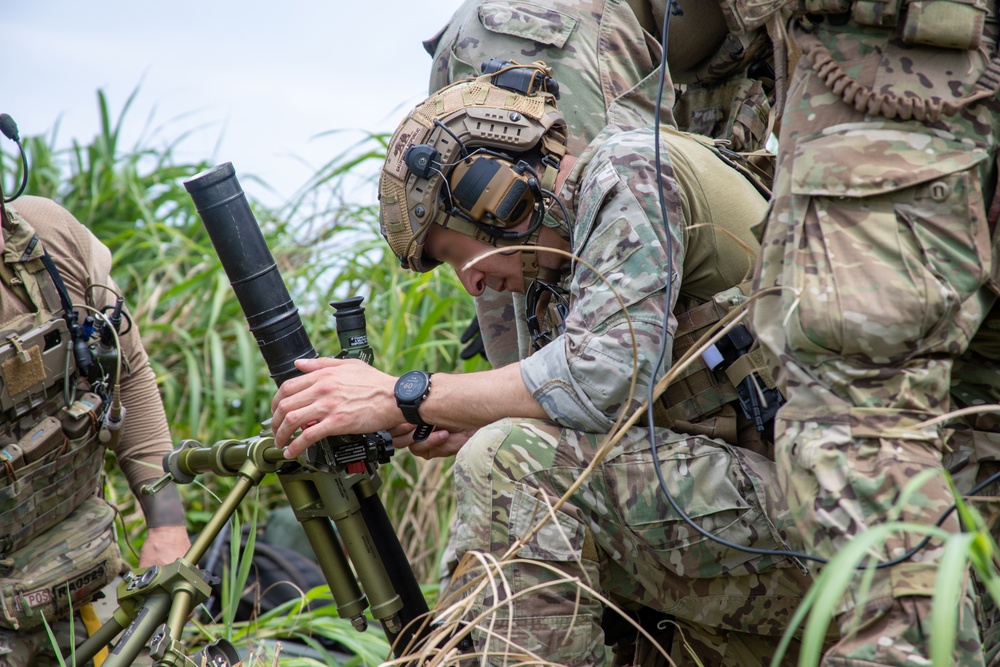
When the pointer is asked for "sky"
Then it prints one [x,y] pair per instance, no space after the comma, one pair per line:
[261,85]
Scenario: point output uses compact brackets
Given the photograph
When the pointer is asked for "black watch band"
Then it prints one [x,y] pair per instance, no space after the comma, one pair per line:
[410,391]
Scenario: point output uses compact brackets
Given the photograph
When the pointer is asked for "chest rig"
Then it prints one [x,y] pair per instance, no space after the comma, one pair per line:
[50,456]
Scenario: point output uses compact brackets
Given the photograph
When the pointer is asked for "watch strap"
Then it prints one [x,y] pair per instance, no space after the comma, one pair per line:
[421,432]
[412,415]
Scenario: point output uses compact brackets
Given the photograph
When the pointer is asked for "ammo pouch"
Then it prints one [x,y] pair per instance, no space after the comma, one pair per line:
[60,569]
[950,24]
[50,457]
[947,24]
[736,111]
[703,401]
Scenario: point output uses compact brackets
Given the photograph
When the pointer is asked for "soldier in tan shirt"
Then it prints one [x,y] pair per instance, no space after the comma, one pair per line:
[83,263]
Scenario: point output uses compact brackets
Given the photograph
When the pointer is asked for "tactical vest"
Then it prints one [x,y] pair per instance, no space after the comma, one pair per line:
[946,24]
[50,456]
[735,398]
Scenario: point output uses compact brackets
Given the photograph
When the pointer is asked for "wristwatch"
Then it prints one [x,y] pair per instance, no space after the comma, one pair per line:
[411,390]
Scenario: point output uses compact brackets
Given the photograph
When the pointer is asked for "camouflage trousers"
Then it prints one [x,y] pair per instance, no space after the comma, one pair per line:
[880,243]
[617,537]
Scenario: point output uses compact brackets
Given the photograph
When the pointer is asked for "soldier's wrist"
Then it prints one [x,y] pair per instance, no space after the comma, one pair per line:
[163,508]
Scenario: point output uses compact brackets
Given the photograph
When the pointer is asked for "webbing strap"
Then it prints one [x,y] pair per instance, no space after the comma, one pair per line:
[750,363]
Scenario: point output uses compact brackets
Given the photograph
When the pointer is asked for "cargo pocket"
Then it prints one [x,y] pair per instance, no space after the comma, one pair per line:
[707,481]
[558,620]
[527,21]
[891,240]
[60,569]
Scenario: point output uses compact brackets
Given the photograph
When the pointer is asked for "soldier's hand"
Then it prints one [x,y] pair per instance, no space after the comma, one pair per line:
[439,443]
[333,397]
[472,338]
[163,545]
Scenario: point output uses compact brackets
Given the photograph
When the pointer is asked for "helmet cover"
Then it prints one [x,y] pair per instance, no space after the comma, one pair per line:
[455,121]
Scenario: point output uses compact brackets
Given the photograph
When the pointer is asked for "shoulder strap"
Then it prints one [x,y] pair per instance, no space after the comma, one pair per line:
[24,258]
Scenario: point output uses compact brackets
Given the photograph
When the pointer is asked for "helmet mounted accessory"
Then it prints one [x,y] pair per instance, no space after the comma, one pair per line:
[454,161]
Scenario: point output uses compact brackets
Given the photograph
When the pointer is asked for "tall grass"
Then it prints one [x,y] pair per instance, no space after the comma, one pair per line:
[213,381]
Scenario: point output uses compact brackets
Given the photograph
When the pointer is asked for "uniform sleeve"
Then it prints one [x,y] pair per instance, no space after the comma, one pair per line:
[582,379]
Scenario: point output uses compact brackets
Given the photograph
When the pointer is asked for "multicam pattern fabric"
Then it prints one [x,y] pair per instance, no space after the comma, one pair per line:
[604,62]
[880,238]
[617,532]
[82,261]
[583,378]
[34,649]
[606,69]
[61,569]
[618,535]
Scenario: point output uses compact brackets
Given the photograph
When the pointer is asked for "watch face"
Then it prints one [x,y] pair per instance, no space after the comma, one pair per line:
[411,386]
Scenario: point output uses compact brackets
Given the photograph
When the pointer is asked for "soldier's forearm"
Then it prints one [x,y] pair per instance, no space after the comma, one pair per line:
[163,508]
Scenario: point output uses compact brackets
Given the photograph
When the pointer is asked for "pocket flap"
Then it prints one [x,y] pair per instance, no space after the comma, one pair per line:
[528,21]
[865,161]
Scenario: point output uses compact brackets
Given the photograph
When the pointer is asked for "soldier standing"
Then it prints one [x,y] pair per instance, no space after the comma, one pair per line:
[880,240]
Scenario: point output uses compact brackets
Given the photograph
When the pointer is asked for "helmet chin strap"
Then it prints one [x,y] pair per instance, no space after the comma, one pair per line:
[529,258]
[529,255]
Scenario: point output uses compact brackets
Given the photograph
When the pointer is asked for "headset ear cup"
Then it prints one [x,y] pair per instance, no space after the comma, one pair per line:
[491,191]
[515,201]
[470,181]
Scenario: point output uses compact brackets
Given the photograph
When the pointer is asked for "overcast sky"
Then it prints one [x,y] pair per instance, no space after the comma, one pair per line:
[259,80]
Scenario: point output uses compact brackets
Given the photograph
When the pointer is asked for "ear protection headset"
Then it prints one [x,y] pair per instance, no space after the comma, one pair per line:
[450,163]
[488,189]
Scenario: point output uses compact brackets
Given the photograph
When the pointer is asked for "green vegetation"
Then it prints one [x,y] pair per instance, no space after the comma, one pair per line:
[213,380]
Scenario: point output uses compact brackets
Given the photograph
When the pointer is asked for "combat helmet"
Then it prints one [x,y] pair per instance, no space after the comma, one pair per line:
[457,161]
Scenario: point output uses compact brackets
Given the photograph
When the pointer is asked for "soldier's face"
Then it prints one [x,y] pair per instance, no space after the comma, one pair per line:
[499,271]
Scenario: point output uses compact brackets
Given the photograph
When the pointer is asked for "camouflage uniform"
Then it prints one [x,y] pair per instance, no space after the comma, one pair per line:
[605,55]
[606,65]
[880,226]
[617,533]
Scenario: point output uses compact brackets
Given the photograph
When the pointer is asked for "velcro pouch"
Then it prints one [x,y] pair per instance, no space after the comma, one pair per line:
[878,13]
[61,569]
[949,24]
[61,470]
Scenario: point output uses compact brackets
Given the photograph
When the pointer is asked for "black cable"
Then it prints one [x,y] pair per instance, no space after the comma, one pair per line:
[9,129]
[671,8]
[461,146]
[562,207]
[124,315]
